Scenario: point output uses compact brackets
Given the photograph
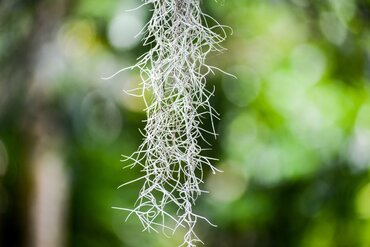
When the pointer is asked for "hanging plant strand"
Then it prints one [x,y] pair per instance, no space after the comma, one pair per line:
[173,74]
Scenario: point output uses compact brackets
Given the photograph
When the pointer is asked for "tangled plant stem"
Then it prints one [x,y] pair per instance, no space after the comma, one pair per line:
[173,74]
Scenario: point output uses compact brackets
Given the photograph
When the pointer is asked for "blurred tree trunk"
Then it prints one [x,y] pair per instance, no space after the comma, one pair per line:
[25,27]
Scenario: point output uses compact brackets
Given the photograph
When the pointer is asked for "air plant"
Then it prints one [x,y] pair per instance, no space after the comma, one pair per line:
[173,87]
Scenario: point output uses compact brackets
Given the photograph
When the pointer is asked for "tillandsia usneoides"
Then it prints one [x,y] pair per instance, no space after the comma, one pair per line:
[173,86]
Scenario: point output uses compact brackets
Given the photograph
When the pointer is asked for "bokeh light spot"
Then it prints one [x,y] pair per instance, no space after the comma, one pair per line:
[227,186]
[332,28]
[242,133]
[123,31]
[358,150]
[363,202]
[102,117]
[77,38]
[244,89]
[309,63]
[345,9]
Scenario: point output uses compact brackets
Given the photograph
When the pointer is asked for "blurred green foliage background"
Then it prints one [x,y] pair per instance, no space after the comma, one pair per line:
[294,140]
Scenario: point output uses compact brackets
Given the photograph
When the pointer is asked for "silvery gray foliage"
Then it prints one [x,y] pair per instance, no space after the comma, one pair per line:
[173,74]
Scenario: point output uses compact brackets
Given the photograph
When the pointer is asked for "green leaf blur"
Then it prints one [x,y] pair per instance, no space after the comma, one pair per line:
[294,139]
